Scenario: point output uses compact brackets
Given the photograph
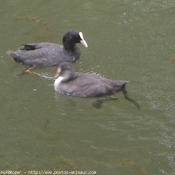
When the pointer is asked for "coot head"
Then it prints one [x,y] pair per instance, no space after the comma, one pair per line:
[65,72]
[71,38]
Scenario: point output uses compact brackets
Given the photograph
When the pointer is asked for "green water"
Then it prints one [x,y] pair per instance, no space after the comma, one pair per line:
[129,40]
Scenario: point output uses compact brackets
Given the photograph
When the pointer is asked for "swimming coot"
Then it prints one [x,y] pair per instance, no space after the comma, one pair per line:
[86,84]
[50,54]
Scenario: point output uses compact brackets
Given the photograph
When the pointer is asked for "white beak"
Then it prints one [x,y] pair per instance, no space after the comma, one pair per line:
[82,41]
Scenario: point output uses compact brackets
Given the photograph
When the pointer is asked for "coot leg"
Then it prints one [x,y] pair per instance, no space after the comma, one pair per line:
[130,99]
[27,70]
[98,103]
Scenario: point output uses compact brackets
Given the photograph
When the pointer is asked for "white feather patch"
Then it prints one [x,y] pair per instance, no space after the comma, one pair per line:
[57,82]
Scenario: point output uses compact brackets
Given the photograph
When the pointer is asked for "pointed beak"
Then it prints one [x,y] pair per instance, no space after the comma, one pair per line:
[58,73]
[84,43]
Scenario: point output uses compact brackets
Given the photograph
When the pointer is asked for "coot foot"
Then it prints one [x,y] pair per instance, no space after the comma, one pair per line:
[98,103]
[130,99]
[27,70]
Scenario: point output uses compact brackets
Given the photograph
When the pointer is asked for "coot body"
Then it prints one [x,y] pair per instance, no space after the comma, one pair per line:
[50,54]
[84,84]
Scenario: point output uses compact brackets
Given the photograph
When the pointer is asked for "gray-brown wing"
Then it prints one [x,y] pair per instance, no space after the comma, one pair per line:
[86,85]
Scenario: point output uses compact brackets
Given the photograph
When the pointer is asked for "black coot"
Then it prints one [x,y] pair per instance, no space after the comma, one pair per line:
[50,54]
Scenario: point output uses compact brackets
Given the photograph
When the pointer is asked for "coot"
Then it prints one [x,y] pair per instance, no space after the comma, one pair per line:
[49,54]
[86,84]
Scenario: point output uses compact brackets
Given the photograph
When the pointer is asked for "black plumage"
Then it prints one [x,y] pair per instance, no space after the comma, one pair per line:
[50,54]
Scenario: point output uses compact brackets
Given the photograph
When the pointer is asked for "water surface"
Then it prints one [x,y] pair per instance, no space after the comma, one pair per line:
[128,40]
